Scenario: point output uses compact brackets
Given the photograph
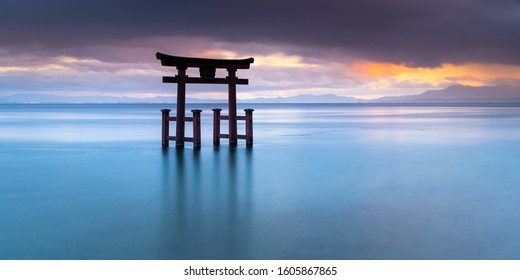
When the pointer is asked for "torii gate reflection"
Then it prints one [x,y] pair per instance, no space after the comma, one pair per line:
[207,69]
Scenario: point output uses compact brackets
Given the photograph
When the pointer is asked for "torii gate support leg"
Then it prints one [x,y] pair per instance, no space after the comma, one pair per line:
[181,106]
[232,103]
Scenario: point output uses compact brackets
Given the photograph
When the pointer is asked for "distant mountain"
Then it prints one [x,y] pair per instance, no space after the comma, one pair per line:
[305,98]
[459,94]
[452,94]
[48,98]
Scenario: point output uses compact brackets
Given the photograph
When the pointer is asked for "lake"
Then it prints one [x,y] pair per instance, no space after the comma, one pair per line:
[323,181]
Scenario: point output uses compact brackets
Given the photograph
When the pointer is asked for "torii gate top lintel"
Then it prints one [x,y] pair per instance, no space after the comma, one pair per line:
[181,61]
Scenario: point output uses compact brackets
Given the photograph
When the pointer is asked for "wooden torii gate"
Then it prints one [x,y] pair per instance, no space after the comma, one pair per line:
[207,69]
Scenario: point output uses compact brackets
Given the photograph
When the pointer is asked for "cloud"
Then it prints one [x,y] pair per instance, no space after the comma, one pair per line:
[355,47]
[117,70]
[414,33]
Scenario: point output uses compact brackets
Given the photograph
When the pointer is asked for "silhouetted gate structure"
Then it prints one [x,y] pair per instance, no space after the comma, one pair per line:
[207,69]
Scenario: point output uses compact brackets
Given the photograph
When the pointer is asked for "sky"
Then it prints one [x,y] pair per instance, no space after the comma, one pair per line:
[360,48]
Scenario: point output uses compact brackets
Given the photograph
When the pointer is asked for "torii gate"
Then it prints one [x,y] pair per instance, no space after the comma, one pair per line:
[207,68]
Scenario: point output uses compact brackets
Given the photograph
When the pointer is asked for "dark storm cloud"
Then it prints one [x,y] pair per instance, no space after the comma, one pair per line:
[420,33]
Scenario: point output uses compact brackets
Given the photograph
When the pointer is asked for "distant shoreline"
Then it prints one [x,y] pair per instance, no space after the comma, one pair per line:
[455,94]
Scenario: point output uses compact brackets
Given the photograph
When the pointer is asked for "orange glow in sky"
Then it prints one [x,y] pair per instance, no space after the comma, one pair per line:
[466,74]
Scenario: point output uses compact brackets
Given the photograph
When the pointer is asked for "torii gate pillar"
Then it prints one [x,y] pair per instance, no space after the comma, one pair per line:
[232,106]
[181,107]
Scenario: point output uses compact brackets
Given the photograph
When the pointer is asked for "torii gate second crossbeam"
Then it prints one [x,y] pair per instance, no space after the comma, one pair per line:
[207,69]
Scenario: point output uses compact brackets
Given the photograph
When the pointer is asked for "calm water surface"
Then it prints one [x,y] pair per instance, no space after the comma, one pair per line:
[321,182]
